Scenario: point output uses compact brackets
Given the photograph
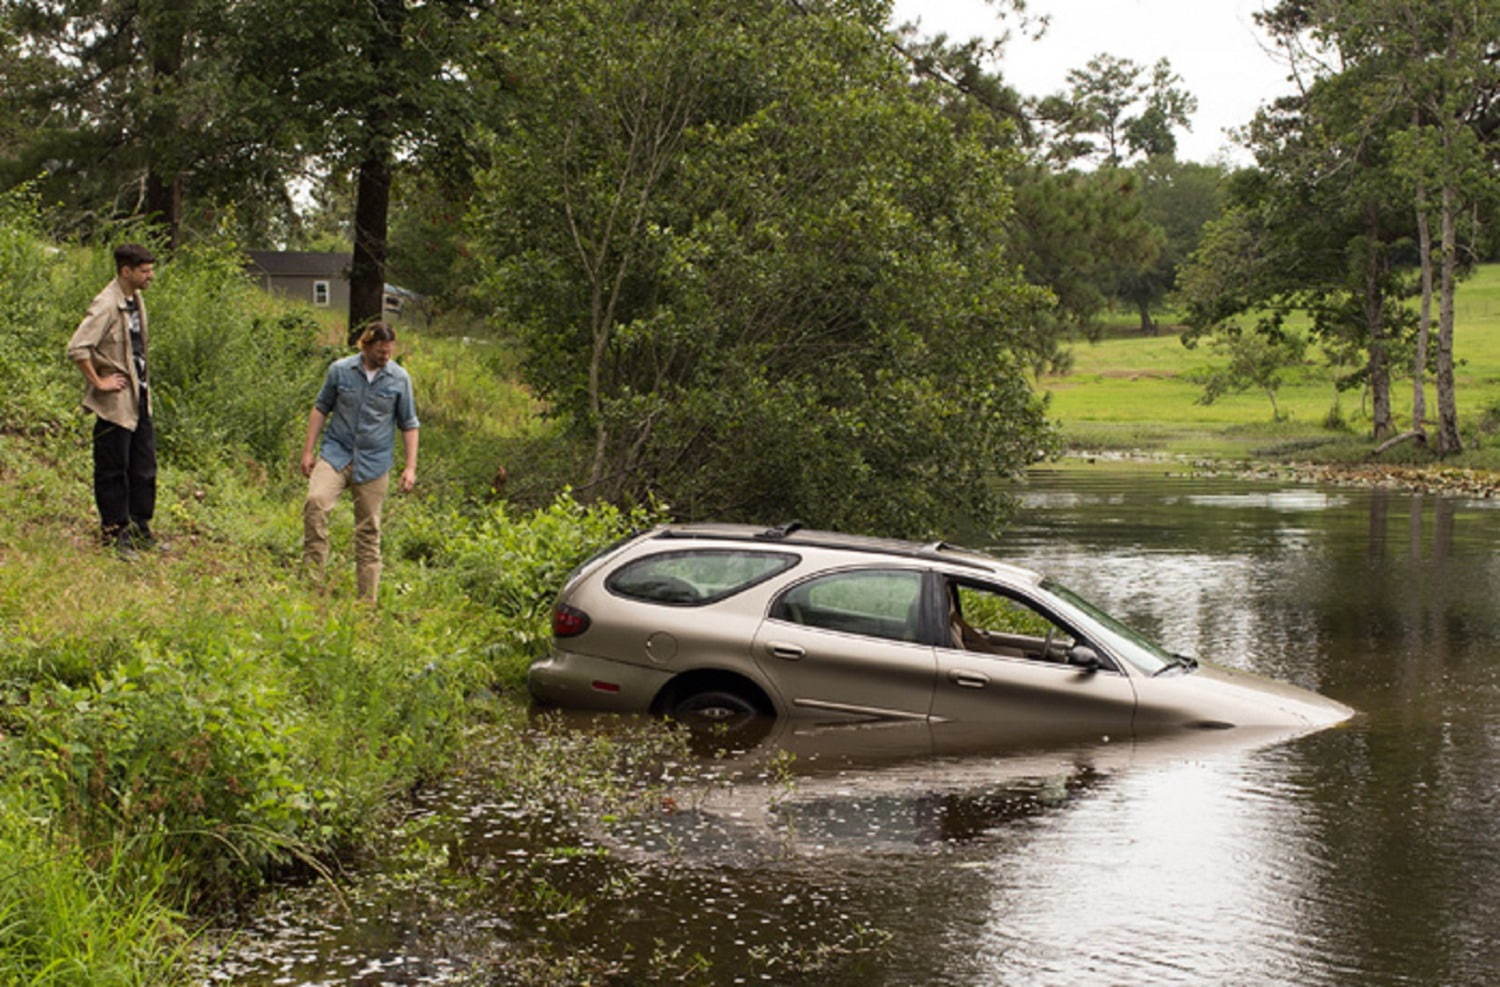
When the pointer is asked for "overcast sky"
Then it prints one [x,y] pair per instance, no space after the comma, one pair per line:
[1213,45]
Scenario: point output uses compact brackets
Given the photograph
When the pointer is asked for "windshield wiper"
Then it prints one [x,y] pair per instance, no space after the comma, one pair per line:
[1185,662]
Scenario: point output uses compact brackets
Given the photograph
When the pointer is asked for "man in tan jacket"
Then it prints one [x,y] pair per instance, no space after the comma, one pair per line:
[109,347]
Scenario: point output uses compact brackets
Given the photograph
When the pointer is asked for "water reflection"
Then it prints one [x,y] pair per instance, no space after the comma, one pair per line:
[1275,500]
[1362,854]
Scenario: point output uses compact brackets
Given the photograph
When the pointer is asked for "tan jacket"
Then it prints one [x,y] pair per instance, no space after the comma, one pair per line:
[104,338]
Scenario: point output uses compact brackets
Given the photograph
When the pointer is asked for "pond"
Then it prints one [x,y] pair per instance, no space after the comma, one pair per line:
[1367,853]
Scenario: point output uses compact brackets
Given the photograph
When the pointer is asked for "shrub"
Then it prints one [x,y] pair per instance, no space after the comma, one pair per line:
[36,394]
[513,568]
[234,369]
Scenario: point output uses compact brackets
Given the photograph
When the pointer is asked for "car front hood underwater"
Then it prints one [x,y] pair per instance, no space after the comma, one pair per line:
[1214,697]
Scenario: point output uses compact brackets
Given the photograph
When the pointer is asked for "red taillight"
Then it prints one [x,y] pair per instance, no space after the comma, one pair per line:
[568,621]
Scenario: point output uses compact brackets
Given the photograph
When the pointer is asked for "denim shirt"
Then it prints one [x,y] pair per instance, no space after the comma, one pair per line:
[362,415]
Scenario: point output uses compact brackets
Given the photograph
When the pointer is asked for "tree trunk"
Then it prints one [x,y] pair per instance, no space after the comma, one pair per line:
[164,204]
[1379,370]
[1448,441]
[164,35]
[1424,319]
[371,210]
[1148,328]
[372,204]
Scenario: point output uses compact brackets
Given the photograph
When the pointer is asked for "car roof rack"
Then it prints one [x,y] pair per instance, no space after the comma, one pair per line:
[794,533]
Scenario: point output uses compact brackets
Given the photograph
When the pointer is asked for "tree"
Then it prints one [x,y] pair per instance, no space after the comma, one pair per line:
[1326,210]
[1423,80]
[1178,198]
[1075,232]
[133,110]
[1094,118]
[754,272]
[430,252]
[361,84]
[1255,360]
[1451,79]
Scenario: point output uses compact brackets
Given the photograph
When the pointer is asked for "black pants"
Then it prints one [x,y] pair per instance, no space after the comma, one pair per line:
[125,475]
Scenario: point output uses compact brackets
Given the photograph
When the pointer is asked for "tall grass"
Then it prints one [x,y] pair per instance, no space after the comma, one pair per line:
[66,919]
[179,730]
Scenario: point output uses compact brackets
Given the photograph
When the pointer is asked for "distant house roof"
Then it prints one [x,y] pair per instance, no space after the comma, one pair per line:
[299,263]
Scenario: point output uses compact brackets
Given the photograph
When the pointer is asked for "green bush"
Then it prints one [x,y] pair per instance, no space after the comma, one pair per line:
[37,391]
[234,369]
[512,568]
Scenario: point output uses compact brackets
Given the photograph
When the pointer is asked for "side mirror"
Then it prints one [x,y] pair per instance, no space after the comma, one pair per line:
[1085,658]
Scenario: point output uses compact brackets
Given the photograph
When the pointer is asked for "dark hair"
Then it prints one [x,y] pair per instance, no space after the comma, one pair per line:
[132,255]
[377,332]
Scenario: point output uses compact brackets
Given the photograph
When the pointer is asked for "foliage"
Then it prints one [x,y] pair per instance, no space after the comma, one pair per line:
[1075,232]
[231,368]
[1255,360]
[121,106]
[1303,233]
[31,363]
[512,567]
[363,85]
[1111,112]
[754,273]
[1389,132]
[428,252]
[1179,199]
[177,731]
[64,920]
[1087,233]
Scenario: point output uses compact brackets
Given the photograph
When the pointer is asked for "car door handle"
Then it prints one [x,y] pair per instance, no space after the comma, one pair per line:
[968,679]
[790,652]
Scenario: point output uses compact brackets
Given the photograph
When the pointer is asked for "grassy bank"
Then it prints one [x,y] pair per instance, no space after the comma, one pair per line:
[180,729]
[1132,392]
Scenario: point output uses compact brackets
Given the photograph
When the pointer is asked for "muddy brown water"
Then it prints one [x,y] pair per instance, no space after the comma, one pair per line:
[1364,854]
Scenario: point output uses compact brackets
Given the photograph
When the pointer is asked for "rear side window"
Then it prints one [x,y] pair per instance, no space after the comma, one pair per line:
[694,577]
[883,603]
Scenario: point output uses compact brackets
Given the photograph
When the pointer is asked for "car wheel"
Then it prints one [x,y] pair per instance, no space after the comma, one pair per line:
[714,708]
[719,719]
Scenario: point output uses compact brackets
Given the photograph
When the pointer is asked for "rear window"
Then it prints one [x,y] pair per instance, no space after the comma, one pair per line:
[695,577]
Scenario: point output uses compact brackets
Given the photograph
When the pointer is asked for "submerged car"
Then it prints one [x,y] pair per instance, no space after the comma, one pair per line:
[718,624]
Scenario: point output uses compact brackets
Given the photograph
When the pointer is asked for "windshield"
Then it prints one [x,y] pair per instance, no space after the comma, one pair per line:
[1123,640]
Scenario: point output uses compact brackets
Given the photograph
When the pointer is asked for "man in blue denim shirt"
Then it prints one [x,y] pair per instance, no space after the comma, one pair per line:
[364,400]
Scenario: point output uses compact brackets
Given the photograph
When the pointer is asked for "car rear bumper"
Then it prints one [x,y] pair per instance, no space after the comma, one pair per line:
[586,682]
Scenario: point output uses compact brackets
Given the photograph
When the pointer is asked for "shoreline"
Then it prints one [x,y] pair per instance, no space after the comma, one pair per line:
[1477,484]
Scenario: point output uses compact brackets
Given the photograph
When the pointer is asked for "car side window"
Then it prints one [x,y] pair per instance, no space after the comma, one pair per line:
[696,577]
[884,603]
[984,620]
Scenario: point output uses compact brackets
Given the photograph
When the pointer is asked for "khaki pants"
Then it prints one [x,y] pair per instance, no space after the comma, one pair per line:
[323,489]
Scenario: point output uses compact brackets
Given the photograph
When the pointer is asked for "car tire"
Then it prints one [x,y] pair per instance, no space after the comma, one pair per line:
[714,708]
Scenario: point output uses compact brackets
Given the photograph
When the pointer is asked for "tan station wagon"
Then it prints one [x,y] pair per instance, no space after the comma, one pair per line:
[711,623]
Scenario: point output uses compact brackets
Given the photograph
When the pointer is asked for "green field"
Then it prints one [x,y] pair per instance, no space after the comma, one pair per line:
[1130,392]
